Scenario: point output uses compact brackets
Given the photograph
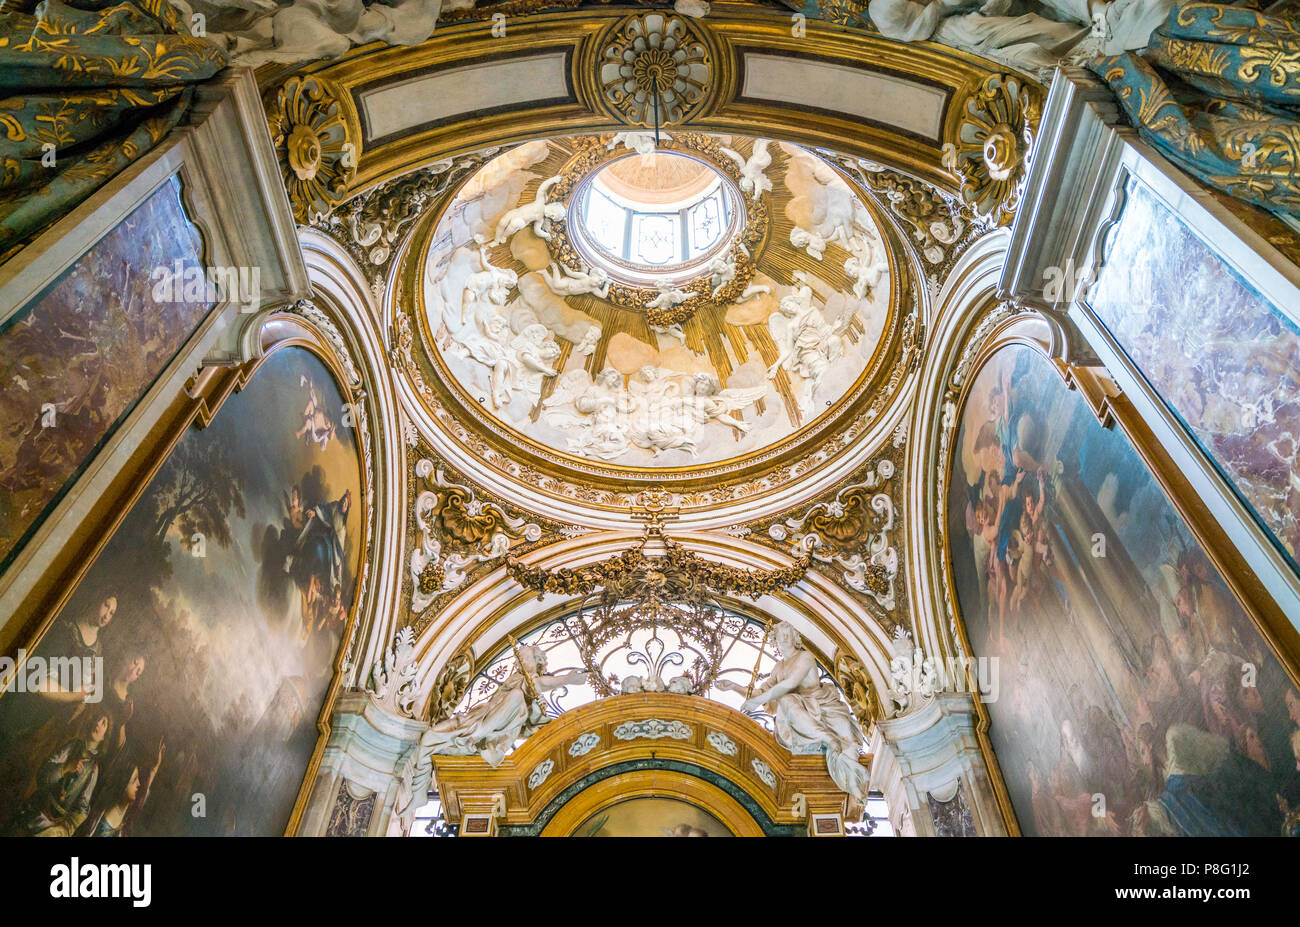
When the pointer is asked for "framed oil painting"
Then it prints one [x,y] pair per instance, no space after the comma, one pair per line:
[1221,356]
[206,633]
[652,817]
[79,356]
[1136,696]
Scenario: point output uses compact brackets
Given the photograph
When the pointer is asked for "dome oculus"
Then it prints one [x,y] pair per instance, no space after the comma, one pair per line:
[646,219]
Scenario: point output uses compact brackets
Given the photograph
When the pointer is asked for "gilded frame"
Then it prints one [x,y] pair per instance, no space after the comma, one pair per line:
[1112,409]
[204,396]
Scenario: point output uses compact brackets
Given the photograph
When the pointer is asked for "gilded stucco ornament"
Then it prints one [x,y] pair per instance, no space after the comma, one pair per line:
[458,531]
[851,533]
[373,225]
[939,225]
[677,575]
[655,61]
[858,689]
[317,159]
[994,144]
[451,684]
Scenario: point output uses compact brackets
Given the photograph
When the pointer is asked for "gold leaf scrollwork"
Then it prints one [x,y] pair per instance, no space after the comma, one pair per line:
[451,684]
[458,533]
[858,689]
[993,146]
[317,159]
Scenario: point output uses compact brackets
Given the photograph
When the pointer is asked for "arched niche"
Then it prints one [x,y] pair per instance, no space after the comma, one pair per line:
[647,745]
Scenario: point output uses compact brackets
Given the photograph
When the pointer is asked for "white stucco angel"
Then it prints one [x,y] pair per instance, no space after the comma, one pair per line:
[809,344]
[564,281]
[513,711]
[539,214]
[722,270]
[595,416]
[490,345]
[643,143]
[753,180]
[809,715]
[532,353]
[668,297]
[671,416]
[709,402]
[491,284]
[670,331]
[866,266]
[810,241]
[586,345]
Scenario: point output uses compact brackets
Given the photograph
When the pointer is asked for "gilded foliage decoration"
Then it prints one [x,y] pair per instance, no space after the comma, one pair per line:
[677,573]
[994,143]
[858,689]
[451,684]
[459,530]
[850,535]
[317,159]
[676,592]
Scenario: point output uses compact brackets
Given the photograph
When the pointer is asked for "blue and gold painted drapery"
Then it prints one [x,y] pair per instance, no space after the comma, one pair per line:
[86,88]
[1218,93]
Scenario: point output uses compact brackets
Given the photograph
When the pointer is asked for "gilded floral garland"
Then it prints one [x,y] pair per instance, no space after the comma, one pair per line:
[678,573]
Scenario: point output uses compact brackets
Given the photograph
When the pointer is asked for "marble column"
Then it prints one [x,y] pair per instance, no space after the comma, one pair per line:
[356,785]
[929,766]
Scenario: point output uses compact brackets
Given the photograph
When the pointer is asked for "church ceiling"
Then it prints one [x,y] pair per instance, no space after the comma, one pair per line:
[721,362]
[744,68]
[582,380]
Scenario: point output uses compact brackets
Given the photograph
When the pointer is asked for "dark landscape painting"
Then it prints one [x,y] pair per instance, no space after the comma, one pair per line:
[78,357]
[1136,697]
[217,610]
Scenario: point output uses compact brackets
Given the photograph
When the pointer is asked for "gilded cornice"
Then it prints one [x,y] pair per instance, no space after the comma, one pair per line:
[729,32]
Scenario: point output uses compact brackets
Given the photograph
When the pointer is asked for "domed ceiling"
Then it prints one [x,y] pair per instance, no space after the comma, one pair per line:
[616,309]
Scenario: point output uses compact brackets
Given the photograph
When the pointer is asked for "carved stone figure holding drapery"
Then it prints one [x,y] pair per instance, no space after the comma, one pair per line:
[809,715]
[514,710]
